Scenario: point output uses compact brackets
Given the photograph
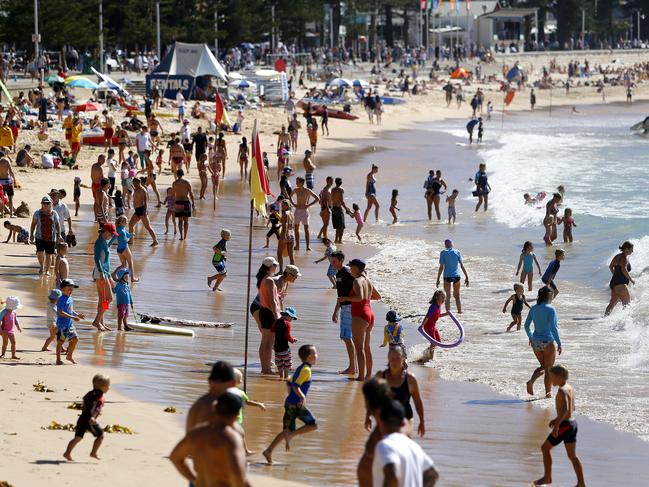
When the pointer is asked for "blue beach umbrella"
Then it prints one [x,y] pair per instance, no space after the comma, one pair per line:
[361,82]
[514,74]
[339,83]
[80,82]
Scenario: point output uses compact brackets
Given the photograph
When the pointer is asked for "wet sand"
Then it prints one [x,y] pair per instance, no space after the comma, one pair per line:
[474,435]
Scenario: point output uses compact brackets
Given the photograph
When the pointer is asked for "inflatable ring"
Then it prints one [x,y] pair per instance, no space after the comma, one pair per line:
[448,345]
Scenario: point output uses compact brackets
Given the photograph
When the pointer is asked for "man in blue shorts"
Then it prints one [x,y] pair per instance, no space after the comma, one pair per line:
[344,285]
[450,263]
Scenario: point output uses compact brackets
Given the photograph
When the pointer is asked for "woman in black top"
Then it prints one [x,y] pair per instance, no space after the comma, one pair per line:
[620,268]
[404,386]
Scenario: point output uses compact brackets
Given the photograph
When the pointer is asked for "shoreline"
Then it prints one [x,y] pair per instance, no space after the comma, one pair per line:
[371,134]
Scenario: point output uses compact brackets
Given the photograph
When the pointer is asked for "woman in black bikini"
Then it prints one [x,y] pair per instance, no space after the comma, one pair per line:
[404,386]
[620,268]
[370,193]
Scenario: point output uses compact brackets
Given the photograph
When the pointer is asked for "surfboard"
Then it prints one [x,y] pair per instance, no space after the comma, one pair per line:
[155,320]
[166,330]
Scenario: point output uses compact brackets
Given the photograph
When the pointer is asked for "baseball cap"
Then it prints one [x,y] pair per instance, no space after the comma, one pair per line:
[46,200]
[270,262]
[55,294]
[293,270]
[357,263]
[109,227]
[392,316]
[68,283]
[290,311]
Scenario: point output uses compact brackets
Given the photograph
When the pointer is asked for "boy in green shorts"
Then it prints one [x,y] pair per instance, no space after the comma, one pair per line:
[295,404]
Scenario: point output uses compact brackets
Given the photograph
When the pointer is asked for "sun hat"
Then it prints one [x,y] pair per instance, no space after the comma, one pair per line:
[270,262]
[290,311]
[55,294]
[12,303]
[293,270]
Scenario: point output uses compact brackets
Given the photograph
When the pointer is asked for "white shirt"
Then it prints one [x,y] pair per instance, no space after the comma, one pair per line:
[63,212]
[180,99]
[186,134]
[410,461]
[143,141]
[111,165]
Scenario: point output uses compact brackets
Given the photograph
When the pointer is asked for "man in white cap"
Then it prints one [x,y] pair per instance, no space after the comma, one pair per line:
[61,209]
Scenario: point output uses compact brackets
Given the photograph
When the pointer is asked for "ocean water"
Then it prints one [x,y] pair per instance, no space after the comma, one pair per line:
[603,168]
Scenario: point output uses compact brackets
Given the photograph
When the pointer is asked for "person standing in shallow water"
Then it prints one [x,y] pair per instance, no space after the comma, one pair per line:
[344,285]
[450,263]
[370,193]
[620,279]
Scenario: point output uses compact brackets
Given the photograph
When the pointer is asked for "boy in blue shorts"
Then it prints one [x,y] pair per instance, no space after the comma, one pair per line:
[64,326]
[218,260]
[295,404]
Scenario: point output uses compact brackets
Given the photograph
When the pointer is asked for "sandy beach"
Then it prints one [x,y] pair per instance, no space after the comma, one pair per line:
[500,434]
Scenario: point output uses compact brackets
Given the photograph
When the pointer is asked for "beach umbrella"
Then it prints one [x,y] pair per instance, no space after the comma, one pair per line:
[53,78]
[460,73]
[243,84]
[86,107]
[514,74]
[247,45]
[80,82]
[361,82]
[339,83]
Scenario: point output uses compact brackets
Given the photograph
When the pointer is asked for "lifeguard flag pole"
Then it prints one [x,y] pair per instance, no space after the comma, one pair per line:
[259,190]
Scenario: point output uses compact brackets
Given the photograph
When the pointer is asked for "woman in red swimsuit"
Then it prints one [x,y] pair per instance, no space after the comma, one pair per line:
[362,317]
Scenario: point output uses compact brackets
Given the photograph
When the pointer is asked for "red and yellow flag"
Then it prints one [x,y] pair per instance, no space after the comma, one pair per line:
[220,109]
[259,185]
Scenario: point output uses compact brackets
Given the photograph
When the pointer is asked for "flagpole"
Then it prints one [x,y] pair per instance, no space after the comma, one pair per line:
[502,115]
[245,357]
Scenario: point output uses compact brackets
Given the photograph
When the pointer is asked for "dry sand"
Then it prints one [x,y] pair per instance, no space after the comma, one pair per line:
[32,455]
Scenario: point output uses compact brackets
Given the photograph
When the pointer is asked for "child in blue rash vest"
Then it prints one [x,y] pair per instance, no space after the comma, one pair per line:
[295,404]
[65,316]
[218,261]
[123,250]
[551,272]
[123,297]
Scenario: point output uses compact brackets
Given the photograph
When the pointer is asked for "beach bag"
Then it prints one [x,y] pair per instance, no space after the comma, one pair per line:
[47,161]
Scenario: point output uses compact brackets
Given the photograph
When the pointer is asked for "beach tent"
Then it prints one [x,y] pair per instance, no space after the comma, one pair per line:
[180,68]
[514,74]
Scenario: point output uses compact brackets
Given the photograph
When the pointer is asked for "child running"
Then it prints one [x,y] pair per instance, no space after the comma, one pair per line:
[450,201]
[281,328]
[356,215]
[393,205]
[16,233]
[527,260]
[9,324]
[52,299]
[238,377]
[295,404]
[518,299]
[218,261]
[428,327]
[273,220]
[123,297]
[393,333]
[568,222]
[564,428]
[170,203]
[65,316]
[330,248]
[93,403]
[551,272]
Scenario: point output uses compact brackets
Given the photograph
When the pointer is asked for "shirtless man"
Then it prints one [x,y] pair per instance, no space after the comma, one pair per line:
[7,180]
[97,174]
[140,198]
[182,193]
[155,131]
[101,204]
[176,156]
[309,168]
[325,207]
[338,210]
[109,130]
[217,449]
[302,203]
[293,128]
[201,413]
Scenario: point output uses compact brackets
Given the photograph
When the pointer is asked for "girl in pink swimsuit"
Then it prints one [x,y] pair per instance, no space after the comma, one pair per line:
[8,325]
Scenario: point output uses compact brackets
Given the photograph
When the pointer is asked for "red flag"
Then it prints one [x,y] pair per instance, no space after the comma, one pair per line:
[259,185]
[220,108]
[468,5]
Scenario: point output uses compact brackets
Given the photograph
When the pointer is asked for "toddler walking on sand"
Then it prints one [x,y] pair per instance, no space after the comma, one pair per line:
[123,298]
[281,328]
[65,316]
[170,203]
[518,299]
[330,248]
[393,333]
[9,324]
[53,298]
[218,261]
[93,403]
[246,401]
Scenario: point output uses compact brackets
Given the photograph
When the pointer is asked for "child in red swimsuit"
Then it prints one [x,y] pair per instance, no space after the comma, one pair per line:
[428,327]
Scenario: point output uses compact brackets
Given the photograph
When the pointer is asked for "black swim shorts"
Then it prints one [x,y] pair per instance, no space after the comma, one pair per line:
[452,280]
[183,209]
[266,318]
[567,433]
[337,218]
[83,426]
